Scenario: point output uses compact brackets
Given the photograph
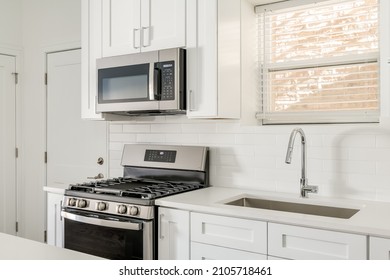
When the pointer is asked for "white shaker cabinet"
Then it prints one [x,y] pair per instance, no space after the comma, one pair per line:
[91,49]
[219,237]
[200,251]
[379,248]
[173,234]
[293,242]
[213,58]
[131,26]
[54,220]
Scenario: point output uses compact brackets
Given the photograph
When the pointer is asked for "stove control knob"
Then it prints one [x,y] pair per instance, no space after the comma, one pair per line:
[72,202]
[82,203]
[101,206]
[122,209]
[134,211]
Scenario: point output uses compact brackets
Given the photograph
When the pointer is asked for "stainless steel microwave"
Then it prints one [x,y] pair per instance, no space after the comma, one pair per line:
[144,83]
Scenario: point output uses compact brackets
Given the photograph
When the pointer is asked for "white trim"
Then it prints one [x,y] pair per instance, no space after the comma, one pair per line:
[17,53]
[384,50]
[290,4]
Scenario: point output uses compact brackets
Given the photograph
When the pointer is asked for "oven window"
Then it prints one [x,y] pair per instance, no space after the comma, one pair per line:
[105,242]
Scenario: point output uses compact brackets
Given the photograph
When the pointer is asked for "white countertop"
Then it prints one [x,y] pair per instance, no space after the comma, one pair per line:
[56,188]
[17,248]
[372,219]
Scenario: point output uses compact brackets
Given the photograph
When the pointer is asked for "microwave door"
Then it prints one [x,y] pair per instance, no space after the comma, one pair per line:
[126,88]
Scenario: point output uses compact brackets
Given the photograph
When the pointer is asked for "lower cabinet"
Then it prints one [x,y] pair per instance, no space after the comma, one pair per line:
[54,234]
[227,238]
[379,248]
[173,234]
[293,242]
[200,251]
[191,235]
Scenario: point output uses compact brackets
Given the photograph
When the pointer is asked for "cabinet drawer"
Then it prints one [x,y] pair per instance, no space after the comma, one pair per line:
[201,251]
[241,234]
[294,242]
[379,248]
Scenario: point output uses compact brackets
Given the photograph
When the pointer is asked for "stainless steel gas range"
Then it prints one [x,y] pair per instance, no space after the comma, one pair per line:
[116,218]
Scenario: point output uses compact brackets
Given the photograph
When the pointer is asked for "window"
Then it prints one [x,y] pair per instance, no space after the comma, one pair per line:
[319,62]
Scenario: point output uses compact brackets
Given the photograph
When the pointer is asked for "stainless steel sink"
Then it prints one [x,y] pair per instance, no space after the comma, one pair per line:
[310,209]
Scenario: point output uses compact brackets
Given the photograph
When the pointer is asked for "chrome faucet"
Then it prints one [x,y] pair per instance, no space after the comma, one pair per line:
[305,188]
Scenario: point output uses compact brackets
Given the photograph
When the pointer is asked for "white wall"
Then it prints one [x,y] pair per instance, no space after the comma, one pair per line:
[11,23]
[47,25]
[351,161]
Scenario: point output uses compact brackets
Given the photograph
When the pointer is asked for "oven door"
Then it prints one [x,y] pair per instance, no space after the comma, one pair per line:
[108,236]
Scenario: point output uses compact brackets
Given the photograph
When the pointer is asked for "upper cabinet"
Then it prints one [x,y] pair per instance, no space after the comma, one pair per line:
[213,58]
[131,26]
[91,49]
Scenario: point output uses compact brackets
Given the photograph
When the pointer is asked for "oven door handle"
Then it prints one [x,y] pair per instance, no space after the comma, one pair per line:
[101,222]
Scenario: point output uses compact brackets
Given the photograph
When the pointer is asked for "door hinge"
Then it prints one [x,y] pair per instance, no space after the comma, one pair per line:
[17,227]
[45,156]
[45,78]
[45,236]
[16,152]
[16,75]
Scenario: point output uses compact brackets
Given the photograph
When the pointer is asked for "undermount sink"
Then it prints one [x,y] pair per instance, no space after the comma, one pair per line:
[310,209]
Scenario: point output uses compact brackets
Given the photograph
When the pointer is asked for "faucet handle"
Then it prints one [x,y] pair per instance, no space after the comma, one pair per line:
[312,189]
[308,189]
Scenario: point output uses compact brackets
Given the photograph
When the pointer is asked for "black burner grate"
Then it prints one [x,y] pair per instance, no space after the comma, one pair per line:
[135,188]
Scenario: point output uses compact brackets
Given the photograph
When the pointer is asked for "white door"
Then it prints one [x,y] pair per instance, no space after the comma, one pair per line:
[7,145]
[73,145]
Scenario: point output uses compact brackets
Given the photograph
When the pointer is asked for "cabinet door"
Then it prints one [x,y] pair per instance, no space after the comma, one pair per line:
[213,58]
[163,24]
[91,37]
[173,234]
[54,220]
[379,248]
[202,63]
[234,233]
[301,243]
[201,251]
[121,27]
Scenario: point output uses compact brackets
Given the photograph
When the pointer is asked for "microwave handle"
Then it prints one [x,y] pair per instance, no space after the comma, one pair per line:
[157,83]
[151,82]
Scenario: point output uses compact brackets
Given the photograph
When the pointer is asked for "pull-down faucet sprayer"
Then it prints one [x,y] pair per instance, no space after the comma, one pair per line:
[304,187]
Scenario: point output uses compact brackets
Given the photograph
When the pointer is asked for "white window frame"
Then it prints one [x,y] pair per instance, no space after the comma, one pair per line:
[342,117]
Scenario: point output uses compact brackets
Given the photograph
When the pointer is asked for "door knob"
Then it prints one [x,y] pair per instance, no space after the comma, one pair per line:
[100,161]
[99,176]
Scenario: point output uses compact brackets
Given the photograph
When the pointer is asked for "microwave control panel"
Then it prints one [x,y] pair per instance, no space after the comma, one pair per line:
[167,72]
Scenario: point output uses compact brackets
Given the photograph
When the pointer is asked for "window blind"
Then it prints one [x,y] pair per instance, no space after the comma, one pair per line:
[319,62]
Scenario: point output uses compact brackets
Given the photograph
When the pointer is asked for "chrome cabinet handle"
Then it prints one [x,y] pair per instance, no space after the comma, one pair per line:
[160,226]
[99,176]
[134,31]
[146,30]
[190,100]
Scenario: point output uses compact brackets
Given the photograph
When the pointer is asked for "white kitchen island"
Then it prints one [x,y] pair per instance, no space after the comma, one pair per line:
[17,248]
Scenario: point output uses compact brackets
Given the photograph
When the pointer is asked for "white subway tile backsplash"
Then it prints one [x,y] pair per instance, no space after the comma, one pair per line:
[122,137]
[151,138]
[216,139]
[256,139]
[199,128]
[136,128]
[166,128]
[182,139]
[350,161]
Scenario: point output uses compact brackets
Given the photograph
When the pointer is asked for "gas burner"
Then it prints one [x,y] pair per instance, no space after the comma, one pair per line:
[135,188]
